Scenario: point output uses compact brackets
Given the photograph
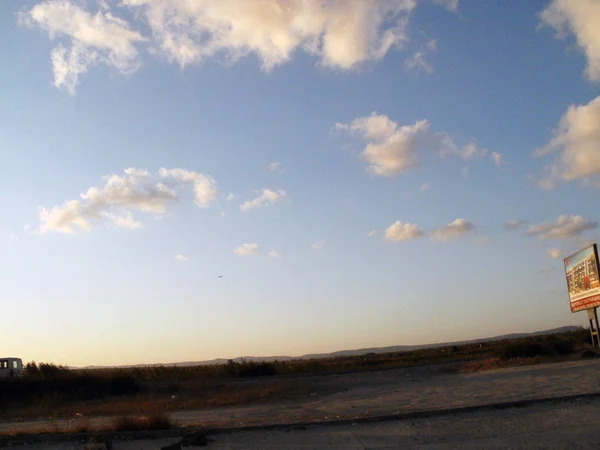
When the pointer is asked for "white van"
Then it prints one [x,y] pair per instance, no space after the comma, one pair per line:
[11,367]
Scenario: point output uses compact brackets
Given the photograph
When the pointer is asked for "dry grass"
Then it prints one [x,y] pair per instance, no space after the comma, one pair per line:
[190,395]
[155,421]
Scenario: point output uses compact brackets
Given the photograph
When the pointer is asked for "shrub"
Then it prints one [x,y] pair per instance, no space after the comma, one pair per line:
[522,350]
[124,385]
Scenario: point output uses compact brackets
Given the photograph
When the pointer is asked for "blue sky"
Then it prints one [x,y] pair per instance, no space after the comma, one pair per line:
[362,173]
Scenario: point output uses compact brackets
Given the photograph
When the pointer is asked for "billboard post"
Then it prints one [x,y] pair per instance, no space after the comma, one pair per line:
[583,283]
[593,318]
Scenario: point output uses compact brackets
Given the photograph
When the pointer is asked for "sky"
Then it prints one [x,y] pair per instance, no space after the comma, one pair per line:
[362,173]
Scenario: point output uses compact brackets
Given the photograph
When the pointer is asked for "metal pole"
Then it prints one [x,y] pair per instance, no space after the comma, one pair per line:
[593,318]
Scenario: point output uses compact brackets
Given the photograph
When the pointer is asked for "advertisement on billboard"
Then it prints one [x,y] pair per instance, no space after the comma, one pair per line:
[583,281]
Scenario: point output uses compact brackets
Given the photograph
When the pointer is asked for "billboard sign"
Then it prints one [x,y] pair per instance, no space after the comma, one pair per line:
[583,281]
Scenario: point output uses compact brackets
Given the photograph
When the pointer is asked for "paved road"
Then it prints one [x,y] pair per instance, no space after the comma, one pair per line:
[571,424]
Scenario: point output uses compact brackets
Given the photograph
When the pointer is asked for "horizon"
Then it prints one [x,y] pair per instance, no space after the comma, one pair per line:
[291,178]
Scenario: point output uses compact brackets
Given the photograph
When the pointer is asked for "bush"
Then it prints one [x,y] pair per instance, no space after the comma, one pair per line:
[523,350]
[124,385]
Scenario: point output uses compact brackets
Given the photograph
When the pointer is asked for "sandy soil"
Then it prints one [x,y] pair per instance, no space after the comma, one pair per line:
[369,394]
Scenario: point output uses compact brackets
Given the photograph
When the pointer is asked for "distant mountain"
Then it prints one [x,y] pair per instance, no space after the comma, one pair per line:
[361,351]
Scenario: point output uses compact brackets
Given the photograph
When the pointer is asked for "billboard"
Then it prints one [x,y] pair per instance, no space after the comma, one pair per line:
[583,281]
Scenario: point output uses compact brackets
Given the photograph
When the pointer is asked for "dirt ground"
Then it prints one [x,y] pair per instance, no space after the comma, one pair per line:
[370,394]
[553,425]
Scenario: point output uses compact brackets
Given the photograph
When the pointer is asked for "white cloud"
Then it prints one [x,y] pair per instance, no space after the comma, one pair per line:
[268,197]
[425,186]
[400,231]
[27,227]
[317,245]
[342,33]
[390,149]
[275,167]
[121,195]
[205,190]
[418,62]
[181,258]
[581,18]
[450,5]
[247,249]
[99,38]
[273,254]
[497,158]
[126,220]
[372,233]
[513,224]
[554,253]
[468,152]
[453,230]
[576,139]
[563,228]
[230,197]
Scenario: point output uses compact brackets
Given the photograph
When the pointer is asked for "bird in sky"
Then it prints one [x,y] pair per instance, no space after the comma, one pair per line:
[220,276]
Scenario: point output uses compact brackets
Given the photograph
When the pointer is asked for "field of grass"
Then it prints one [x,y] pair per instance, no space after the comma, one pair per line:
[47,390]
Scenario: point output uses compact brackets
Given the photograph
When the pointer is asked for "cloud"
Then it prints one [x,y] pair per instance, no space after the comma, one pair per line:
[273,254]
[181,258]
[447,147]
[121,195]
[580,18]
[268,197]
[453,230]
[418,61]
[497,158]
[317,245]
[341,33]
[275,167]
[92,39]
[576,141]
[125,220]
[390,149]
[247,249]
[514,224]
[400,231]
[205,190]
[425,186]
[450,5]
[555,253]
[372,233]
[563,228]
[230,197]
